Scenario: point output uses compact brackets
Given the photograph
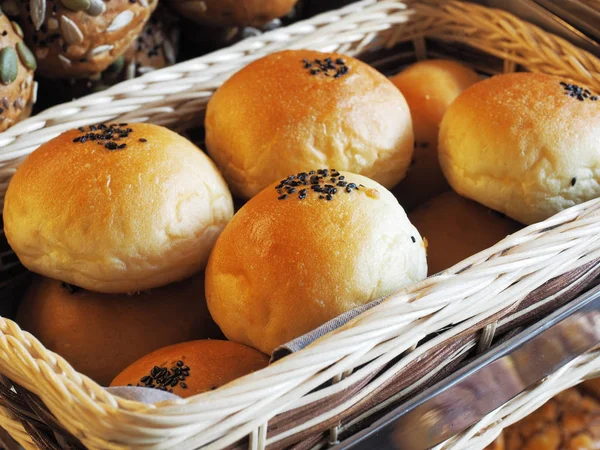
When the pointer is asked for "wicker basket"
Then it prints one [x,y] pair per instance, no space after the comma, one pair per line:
[353,375]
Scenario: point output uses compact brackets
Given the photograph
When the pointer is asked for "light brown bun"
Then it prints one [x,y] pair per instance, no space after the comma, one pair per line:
[520,144]
[80,38]
[100,334]
[456,228]
[210,364]
[121,220]
[16,79]
[429,87]
[232,12]
[274,117]
[305,261]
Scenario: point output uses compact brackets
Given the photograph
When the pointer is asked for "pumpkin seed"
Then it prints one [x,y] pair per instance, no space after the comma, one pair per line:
[26,55]
[96,8]
[70,31]
[52,24]
[63,59]
[34,92]
[121,20]
[18,29]
[9,65]
[101,49]
[130,71]
[76,5]
[37,12]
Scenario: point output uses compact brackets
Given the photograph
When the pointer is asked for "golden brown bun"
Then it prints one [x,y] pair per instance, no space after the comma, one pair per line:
[429,87]
[274,117]
[520,144]
[233,12]
[121,220]
[76,42]
[210,364]
[16,80]
[100,334]
[456,228]
[305,261]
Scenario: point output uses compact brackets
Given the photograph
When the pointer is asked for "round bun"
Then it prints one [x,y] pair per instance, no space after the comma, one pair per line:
[79,38]
[524,144]
[280,115]
[456,228]
[311,251]
[233,12]
[100,334]
[429,87]
[116,215]
[203,365]
[17,90]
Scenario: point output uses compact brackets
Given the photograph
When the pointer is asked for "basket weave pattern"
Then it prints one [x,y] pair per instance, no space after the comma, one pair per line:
[348,377]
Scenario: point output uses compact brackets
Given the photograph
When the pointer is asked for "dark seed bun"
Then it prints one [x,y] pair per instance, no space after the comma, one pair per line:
[80,38]
[429,88]
[17,64]
[100,334]
[311,252]
[133,212]
[524,144]
[287,113]
[232,12]
[456,228]
[193,367]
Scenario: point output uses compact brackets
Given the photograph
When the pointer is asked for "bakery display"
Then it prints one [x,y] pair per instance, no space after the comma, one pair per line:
[116,208]
[232,12]
[569,421]
[80,38]
[291,111]
[456,228]
[100,334]
[429,88]
[524,144]
[191,368]
[17,64]
[320,242]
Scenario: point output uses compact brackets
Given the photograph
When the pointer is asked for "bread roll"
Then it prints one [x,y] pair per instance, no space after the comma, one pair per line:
[456,228]
[524,144]
[232,12]
[17,64]
[100,334]
[288,112]
[314,246]
[115,209]
[193,367]
[79,38]
[592,386]
[429,87]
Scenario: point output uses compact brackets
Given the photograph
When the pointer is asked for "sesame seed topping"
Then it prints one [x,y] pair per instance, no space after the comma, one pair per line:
[580,93]
[323,182]
[326,67]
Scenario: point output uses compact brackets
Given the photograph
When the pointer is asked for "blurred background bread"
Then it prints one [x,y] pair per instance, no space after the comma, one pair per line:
[456,228]
[191,368]
[429,87]
[116,208]
[524,144]
[101,334]
[314,246]
[294,110]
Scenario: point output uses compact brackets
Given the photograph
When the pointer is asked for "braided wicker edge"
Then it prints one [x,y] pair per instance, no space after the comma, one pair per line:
[56,363]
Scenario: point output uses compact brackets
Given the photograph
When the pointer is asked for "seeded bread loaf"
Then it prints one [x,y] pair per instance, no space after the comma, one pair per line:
[294,110]
[524,144]
[232,12]
[79,38]
[116,208]
[17,64]
[191,368]
[100,334]
[315,245]
[429,87]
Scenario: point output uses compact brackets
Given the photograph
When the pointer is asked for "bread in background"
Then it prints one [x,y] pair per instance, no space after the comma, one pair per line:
[429,88]
[456,228]
[292,111]
[524,144]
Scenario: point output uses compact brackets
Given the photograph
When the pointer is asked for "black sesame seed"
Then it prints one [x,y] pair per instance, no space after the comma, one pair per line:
[111,145]
[573,181]
[412,238]
[122,146]
[282,197]
[142,140]
[77,139]
[329,197]
[4,33]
